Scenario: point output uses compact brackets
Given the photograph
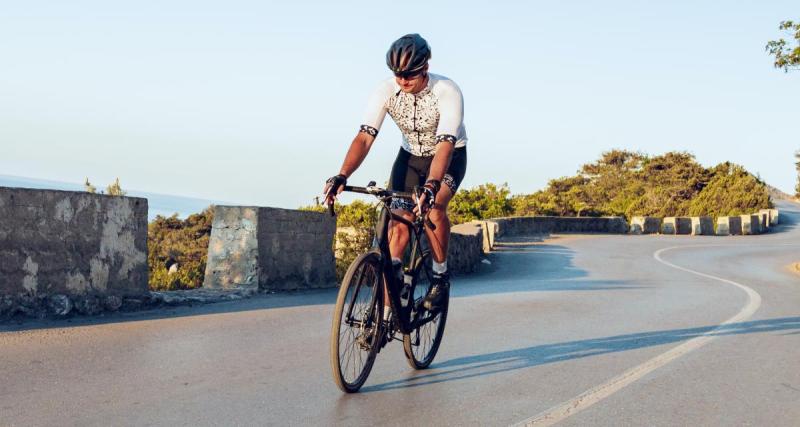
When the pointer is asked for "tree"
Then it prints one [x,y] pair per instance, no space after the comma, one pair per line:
[732,190]
[115,189]
[634,184]
[89,187]
[786,56]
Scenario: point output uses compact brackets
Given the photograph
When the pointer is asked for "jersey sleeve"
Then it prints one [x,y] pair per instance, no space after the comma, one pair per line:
[376,110]
[451,113]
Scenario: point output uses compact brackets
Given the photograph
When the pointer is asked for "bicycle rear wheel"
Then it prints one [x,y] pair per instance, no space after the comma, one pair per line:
[356,331]
[421,345]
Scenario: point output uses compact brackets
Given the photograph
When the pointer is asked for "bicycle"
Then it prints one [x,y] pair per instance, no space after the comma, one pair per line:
[359,331]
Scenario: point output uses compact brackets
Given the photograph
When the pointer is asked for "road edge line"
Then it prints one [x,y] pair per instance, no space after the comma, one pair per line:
[600,392]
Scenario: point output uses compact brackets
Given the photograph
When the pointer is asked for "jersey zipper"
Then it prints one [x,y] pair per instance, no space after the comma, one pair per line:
[415,121]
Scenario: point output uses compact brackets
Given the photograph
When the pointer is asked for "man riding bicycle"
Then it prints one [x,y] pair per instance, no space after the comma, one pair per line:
[429,110]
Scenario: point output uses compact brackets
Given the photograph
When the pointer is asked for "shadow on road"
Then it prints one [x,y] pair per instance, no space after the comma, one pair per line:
[789,214]
[523,265]
[526,264]
[492,363]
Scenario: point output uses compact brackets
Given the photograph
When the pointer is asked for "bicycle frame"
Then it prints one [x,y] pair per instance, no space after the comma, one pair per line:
[403,315]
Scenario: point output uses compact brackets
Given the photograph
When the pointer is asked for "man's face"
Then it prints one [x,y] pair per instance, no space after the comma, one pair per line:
[411,83]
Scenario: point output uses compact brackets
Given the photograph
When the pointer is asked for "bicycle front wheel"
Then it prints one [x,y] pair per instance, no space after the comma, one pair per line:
[356,332]
[421,345]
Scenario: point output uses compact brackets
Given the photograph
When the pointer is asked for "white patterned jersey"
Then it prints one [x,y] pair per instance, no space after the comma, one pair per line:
[433,115]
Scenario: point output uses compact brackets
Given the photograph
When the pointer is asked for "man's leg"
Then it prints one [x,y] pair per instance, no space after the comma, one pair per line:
[439,240]
[399,235]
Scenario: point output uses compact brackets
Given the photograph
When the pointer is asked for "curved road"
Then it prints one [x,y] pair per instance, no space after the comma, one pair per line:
[576,330]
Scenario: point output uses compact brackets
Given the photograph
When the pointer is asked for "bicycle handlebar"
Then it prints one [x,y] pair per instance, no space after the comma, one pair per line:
[383,193]
[379,192]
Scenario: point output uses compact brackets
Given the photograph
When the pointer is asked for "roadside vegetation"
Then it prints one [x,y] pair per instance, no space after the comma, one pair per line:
[626,183]
[786,56]
[177,250]
[619,183]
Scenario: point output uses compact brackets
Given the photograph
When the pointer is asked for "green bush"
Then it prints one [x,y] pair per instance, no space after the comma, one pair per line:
[731,191]
[185,242]
[355,224]
[484,201]
[624,183]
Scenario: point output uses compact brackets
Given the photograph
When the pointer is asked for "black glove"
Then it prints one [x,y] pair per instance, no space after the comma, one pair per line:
[430,189]
[336,182]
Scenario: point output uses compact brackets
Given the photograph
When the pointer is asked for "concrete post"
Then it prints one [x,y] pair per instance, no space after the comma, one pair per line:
[773,217]
[750,224]
[729,226]
[702,225]
[645,225]
[676,225]
[763,216]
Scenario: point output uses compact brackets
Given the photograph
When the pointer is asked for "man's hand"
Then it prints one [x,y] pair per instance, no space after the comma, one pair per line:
[428,196]
[333,187]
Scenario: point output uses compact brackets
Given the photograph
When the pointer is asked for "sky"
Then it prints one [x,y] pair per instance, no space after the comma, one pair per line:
[256,102]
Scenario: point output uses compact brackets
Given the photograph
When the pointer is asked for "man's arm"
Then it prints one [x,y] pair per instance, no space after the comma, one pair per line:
[441,160]
[356,153]
[439,164]
[352,160]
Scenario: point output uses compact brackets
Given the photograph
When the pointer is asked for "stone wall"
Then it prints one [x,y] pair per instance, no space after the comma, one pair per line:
[270,249]
[518,226]
[69,246]
[466,248]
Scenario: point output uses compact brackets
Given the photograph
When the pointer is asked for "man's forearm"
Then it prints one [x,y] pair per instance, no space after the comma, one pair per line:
[356,153]
[441,160]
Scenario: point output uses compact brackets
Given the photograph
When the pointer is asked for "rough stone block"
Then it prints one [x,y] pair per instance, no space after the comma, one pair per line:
[763,219]
[676,225]
[645,225]
[702,226]
[774,217]
[465,249]
[729,225]
[489,229]
[270,248]
[71,243]
[750,224]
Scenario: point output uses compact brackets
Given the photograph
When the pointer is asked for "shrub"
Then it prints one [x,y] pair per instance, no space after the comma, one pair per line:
[484,201]
[355,224]
[183,242]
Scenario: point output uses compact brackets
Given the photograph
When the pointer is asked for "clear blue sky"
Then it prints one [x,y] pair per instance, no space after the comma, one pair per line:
[256,102]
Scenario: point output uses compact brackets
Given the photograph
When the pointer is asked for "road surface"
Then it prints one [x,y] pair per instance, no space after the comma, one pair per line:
[575,330]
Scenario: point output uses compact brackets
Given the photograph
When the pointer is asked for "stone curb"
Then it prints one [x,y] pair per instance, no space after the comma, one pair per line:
[64,306]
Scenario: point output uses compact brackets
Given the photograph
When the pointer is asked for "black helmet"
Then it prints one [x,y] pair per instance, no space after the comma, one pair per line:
[408,55]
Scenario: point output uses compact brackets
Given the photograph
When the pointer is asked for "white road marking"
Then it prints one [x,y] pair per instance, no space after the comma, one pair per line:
[598,393]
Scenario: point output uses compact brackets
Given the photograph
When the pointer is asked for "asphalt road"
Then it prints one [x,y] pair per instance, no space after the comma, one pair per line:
[579,330]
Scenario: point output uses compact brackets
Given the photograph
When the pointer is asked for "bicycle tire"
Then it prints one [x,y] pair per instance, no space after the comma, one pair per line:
[429,334]
[361,338]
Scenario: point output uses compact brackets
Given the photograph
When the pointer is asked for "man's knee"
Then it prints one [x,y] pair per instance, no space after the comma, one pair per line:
[438,214]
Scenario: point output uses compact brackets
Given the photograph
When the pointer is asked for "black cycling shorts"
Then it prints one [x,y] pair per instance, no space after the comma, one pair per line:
[410,171]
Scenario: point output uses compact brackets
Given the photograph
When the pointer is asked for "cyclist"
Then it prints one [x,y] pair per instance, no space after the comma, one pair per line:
[429,109]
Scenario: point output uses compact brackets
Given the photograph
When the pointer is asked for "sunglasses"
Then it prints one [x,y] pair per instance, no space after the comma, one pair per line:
[408,75]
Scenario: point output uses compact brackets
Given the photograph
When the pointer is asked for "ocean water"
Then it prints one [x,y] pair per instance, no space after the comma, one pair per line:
[158,204]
